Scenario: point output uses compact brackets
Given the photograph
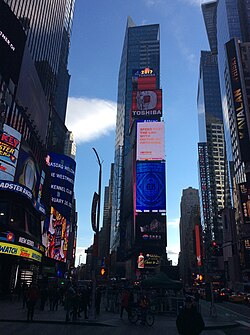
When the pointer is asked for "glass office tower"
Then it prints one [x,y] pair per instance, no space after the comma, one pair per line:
[48,27]
[141,49]
[211,151]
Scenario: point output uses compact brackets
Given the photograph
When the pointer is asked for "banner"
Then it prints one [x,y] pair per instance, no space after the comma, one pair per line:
[16,250]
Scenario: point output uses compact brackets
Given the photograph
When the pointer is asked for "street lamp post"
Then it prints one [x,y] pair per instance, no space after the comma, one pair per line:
[96,239]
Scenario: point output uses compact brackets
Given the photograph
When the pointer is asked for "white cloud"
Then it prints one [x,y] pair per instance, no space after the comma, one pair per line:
[174,223]
[196,2]
[151,3]
[90,119]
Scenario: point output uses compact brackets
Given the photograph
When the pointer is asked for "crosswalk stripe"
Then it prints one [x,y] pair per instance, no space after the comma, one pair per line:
[244,323]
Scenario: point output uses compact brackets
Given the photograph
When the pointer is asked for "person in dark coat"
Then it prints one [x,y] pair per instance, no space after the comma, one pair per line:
[32,298]
[189,321]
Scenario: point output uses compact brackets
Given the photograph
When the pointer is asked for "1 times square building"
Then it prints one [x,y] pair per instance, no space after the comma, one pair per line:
[138,223]
[36,177]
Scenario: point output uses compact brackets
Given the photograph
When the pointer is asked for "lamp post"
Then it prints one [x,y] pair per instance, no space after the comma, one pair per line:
[96,239]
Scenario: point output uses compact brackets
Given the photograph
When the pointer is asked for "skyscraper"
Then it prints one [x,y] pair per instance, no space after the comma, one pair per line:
[230,20]
[141,49]
[189,210]
[211,151]
[33,58]
[139,110]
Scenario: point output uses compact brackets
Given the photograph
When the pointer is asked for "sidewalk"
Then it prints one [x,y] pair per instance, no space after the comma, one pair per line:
[13,312]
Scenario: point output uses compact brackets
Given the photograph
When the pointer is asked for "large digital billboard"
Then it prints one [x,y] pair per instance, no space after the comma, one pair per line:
[19,170]
[150,187]
[238,95]
[62,170]
[9,150]
[150,227]
[55,236]
[244,192]
[150,141]
[147,104]
[12,42]
[148,261]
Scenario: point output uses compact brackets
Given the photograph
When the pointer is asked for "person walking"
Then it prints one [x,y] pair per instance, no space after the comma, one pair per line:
[32,298]
[189,321]
[124,302]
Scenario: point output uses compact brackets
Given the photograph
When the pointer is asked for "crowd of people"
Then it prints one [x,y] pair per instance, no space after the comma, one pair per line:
[76,302]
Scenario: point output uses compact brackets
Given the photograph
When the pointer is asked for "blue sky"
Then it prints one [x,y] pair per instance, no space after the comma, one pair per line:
[96,46]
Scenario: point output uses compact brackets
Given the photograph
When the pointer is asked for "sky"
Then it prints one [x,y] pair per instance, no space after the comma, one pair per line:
[94,60]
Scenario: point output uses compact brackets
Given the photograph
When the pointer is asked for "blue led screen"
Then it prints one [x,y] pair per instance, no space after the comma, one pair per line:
[150,187]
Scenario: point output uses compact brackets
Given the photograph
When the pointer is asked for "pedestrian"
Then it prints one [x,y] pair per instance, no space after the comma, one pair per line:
[98,298]
[32,298]
[69,302]
[124,302]
[144,305]
[189,321]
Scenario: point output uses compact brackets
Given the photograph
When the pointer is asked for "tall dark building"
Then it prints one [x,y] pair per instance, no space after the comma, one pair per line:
[36,206]
[189,210]
[139,102]
[212,155]
[229,19]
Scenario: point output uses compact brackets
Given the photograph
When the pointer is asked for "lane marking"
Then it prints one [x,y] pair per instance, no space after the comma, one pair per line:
[247,324]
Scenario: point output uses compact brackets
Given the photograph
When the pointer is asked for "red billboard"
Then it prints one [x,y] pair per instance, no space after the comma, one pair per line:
[147,104]
[198,244]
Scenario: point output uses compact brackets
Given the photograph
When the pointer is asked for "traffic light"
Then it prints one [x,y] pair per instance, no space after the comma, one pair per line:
[102,271]
[215,248]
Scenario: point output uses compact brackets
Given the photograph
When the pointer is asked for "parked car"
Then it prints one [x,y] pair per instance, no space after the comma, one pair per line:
[236,297]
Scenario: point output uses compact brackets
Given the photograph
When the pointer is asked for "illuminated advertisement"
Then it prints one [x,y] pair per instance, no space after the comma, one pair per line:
[238,99]
[198,244]
[21,251]
[62,169]
[150,227]
[148,261]
[244,192]
[145,72]
[55,236]
[150,141]
[9,150]
[12,42]
[150,187]
[20,239]
[147,104]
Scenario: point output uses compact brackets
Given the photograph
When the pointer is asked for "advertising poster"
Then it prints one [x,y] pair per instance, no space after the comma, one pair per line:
[148,261]
[147,104]
[9,150]
[150,187]
[244,191]
[55,236]
[150,227]
[150,141]
[240,109]
[62,170]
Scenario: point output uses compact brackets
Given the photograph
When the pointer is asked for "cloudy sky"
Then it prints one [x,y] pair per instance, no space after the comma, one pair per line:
[96,46]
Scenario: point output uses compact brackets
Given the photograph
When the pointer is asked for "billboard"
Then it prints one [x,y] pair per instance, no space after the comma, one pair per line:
[62,170]
[19,170]
[148,261]
[244,192]
[198,244]
[147,104]
[55,236]
[9,150]
[150,141]
[12,42]
[240,109]
[150,227]
[150,187]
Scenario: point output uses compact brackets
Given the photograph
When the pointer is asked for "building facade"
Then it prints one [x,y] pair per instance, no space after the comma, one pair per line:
[34,225]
